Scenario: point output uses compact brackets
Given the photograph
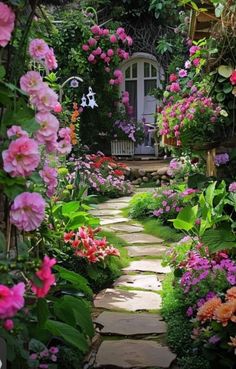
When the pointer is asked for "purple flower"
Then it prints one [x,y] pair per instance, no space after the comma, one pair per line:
[214,339]
[232,187]
[189,312]
[183,73]
[221,159]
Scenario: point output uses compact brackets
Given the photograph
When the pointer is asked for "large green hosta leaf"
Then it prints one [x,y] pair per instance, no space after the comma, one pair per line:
[219,239]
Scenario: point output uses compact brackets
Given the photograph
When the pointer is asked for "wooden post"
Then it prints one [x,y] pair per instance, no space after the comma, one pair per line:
[211,167]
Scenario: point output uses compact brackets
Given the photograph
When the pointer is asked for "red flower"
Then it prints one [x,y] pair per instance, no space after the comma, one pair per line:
[118,172]
[233,78]
[68,236]
[173,77]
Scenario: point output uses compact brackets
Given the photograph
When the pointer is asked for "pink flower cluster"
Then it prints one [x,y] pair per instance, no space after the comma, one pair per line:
[87,246]
[103,46]
[46,277]
[7,19]
[118,78]
[49,176]
[27,211]
[11,301]
[40,51]
[46,357]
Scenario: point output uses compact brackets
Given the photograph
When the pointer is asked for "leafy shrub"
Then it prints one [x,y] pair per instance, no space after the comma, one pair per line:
[141,205]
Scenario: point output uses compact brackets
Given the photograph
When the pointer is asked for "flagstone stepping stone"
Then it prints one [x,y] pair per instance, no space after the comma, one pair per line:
[106,221]
[106,212]
[112,299]
[112,206]
[147,266]
[127,324]
[125,199]
[127,228]
[136,251]
[128,354]
[143,238]
[144,281]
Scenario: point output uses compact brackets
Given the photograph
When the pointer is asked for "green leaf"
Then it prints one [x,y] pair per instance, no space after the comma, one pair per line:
[225,70]
[68,333]
[70,207]
[218,10]
[210,193]
[76,279]
[2,72]
[220,97]
[219,239]
[186,218]
[2,243]
[42,311]
[227,88]
[76,222]
[36,346]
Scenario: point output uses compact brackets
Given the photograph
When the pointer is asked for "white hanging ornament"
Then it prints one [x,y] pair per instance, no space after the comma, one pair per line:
[92,103]
[83,101]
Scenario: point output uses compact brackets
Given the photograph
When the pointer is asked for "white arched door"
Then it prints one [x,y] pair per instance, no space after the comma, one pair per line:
[141,76]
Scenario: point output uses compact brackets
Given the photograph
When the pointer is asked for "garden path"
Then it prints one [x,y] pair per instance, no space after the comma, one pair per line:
[131,333]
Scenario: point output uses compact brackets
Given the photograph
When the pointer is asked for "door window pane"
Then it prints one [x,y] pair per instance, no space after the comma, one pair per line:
[149,85]
[127,73]
[134,70]
[131,87]
[146,70]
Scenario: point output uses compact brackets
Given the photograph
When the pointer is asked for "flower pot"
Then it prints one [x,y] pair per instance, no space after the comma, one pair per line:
[169,141]
[122,148]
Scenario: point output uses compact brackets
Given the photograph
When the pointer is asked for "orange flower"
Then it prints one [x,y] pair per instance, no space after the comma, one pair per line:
[231,293]
[72,127]
[224,312]
[233,341]
[206,311]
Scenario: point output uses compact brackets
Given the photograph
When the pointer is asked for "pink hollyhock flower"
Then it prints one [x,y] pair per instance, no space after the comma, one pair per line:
[95,29]
[196,62]
[7,19]
[233,78]
[38,49]
[91,58]
[92,42]
[49,126]
[110,52]
[113,39]
[173,77]
[11,300]
[183,73]
[31,82]
[49,176]
[45,99]
[27,211]
[175,87]
[65,133]
[8,324]
[46,277]
[193,50]
[16,131]
[51,146]
[85,47]
[22,157]
[57,108]
[63,147]
[50,60]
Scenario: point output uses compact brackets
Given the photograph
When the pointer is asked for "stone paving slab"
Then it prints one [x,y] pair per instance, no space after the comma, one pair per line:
[136,251]
[129,354]
[102,213]
[115,299]
[106,221]
[112,205]
[125,199]
[143,238]
[128,228]
[144,281]
[127,324]
[147,266]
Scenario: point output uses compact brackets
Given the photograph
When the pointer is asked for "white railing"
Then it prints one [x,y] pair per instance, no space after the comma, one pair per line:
[122,148]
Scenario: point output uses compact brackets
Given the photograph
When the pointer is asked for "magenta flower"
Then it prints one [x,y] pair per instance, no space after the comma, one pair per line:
[38,49]
[92,42]
[8,324]
[50,60]
[22,157]
[196,62]
[7,19]
[85,47]
[232,187]
[46,277]
[110,52]
[11,300]
[113,39]
[193,50]
[31,82]
[175,87]
[183,73]
[96,30]
[27,211]
[91,58]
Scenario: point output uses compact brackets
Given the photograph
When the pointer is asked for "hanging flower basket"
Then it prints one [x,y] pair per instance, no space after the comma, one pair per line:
[122,148]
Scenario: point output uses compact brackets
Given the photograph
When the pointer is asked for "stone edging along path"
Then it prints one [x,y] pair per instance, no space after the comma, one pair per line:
[131,333]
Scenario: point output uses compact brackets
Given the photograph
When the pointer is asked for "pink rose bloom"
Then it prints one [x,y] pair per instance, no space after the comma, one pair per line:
[11,300]
[98,51]
[49,176]
[105,32]
[125,55]
[107,69]
[92,42]
[112,82]
[31,82]
[193,50]
[173,78]
[27,211]
[50,60]
[110,52]
[196,62]
[16,131]
[91,58]
[113,39]
[103,56]
[120,30]
[57,108]
[107,60]
[46,277]
[45,99]
[85,47]
[118,73]
[233,78]
[183,73]
[49,126]
[38,49]
[8,324]
[7,19]
[175,87]
[22,157]
[63,147]
[95,29]
[129,41]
